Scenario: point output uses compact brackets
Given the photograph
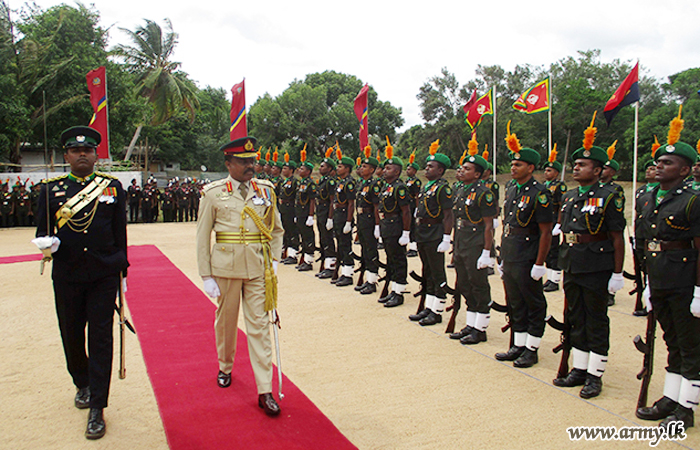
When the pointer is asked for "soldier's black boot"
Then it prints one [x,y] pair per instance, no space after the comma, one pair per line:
[682,414]
[387,297]
[512,354]
[461,333]
[420,315]
[431,319]
[661,409]
[527,359]
[325,273]
[362,286]
[82,398]
[370,288]
[577,377]
[343,281]
[550,286]
[474,337]
[592,387]
[411,254]
[96,424]
[396,300]
[304,267]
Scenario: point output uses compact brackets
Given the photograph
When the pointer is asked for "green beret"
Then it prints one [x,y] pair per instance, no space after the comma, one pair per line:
[396,161]
[329,161]
[649,163]
[556,165]
[414,165]
[441,158]
[80,137]
[490,167]
[307,164]
[680,149]
[291,164]
[279,164]
[527,155]
[347,161]
[478,160]
[595,153]
[613,164]
[372,161]
[381,164]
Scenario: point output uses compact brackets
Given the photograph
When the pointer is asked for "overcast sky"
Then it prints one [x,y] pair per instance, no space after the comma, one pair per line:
[396,46]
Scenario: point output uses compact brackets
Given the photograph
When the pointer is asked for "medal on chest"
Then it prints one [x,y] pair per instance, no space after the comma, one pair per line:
[524,201]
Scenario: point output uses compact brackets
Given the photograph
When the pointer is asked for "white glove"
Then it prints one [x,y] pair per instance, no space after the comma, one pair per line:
[499,269]
[537,272]
[45,242]
[484,260]
[295,220]
[211,288]
[275,263]
[310,221]
[329,224]
[377,235]
[646,297]
[124,285]
[695,304]
[347,228]
[415,213]
[405,238]
[444,246]
[496,222]
[616,283]
[556,231]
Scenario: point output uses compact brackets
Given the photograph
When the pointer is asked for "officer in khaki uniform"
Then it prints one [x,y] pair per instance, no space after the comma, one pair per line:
[243,213]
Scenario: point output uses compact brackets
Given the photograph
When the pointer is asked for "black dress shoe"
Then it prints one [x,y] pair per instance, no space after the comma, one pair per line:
[550,286]
[450,266]
[82,398]
[527,359]
[431,319]
[490,271]
[611,299]
[343,281]
[387,297]
[96,424]
[289,261]
[592,387]
[420,315]
[325,273]
[474,337]
[577,377]
[362,286]
[662,408]
[512,354]
[461,333]
[223,379]
[268,404]
[640,312]
[370,288]
[411,254]
[396,300]
[682,414]
[305,267]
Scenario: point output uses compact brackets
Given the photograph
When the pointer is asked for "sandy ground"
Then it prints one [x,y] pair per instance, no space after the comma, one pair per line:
[385,382]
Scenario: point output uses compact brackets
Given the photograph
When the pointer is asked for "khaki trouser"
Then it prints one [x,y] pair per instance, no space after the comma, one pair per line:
[257,324]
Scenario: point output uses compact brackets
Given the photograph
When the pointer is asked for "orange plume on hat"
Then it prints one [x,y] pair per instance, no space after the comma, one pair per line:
[379,155]
[697,146]
[655,146]
[329,152]
[275,155]
[412,157]
[258,155]
[286,156]
[358,160]
[674,131]
[553,154]
[389,151]
[589,134]
[512,140]
[302,154]
[267,155]
[473,145]
[368,151]
[485,155]
[338,152]
[434,146]
[611,150]
[461,158]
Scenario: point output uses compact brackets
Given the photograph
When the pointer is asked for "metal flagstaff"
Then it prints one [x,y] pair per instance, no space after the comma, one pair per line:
[495,148]
[635,153]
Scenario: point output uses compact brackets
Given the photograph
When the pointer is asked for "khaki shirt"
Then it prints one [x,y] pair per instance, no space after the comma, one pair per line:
[220,211]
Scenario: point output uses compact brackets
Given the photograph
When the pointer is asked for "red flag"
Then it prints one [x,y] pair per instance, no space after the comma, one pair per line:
[626,94]
[535,99]
[470,102]
[362,115]
[239,124]
[482,107]
[97,85]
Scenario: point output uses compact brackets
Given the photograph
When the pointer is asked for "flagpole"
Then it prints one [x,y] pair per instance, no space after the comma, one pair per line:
[635,152]
[495,148]
[109,153]
[549,103]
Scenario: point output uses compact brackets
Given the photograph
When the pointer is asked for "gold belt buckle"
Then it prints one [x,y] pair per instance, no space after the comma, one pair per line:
[653,246]
[571,238]
[460,223]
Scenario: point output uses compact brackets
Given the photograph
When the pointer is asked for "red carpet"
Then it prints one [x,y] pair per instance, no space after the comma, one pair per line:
[25,258]
[174,322]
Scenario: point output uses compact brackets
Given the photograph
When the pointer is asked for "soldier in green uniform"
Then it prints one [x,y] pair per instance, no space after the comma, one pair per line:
[342,216]
[592,222]
[695,184]
[490,182]
[671,218]
[433,235]
[276,171]
[286,195]
[34,199]
[557,188]
[474,209]
[609,171]
[304,208]
[23,205]
[5,205]
[413,184]
[324,201]
[527,234]
[133,194]
[367,197]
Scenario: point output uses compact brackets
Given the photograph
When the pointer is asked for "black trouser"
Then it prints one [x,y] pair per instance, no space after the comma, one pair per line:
[433,268]
[552,259]
[168,215]
[368,243]
[22,219]
[525,297]
[396,263]
[291,233]
[412,232]
[147,214]
[91,304]
[133,211]
[6,220]
[587,299]
[182,214]
[340,216]
[472,283]
[681,330]
[308,238]
[325,236]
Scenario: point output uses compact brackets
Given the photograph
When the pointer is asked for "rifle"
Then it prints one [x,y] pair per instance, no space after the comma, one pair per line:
[122,330]
[648,349]
[361,269]
[638,278]
[565,344]
[505,309]
[455,306]
[421,293]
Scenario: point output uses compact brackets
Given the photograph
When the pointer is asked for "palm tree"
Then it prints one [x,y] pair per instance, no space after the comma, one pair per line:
[157,78]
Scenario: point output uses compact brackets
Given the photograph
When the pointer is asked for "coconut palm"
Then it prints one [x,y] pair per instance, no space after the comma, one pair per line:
[157,78]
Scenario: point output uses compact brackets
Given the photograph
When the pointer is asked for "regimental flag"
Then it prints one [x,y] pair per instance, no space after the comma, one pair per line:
[470,102]
[239,124]
[482,107]
[97,85]
[535,99]
[626,94]
[362,114]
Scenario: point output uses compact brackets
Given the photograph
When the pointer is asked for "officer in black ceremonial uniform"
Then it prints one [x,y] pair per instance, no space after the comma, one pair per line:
[134,195]
[557,187]
[286,196]
[342,216]
[413,184]
[367,226]
[86,229]
[394,218]
[474,209]
[5,205]
[527,233]
[433,235]
[592,253]
[304,207]
[671,218]
[325,191]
